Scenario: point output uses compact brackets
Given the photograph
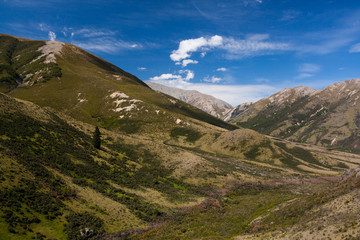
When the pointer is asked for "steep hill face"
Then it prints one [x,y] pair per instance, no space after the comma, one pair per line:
[69,79]
[329,117]
[207,103]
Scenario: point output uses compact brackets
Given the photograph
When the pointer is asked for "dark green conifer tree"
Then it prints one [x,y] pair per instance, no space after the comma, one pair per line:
[97,138]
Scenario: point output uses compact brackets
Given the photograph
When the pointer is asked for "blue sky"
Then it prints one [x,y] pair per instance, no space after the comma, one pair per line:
[235,50]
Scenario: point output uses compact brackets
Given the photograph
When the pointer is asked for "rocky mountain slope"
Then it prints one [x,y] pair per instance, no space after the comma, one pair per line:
[274,103]
[328,117]
[161,163]
[207,103]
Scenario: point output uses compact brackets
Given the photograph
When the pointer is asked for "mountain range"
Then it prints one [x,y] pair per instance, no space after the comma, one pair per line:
[165,169]
[327,117]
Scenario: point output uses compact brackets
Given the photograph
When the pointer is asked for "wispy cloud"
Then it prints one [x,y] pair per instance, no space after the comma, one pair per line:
[333,39]
[106,44]
[91,32]
[307,70]
[309,67]
[253,45]
[289,15]
[213,79]
[141,68]
[222,69]
[355,48]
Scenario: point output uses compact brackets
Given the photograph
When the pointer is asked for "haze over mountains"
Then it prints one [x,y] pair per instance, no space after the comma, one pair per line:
[207,103]
[165,169]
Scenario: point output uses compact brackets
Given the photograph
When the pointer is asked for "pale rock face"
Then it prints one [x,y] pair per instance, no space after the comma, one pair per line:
[207,103]
[50,49]
[236,111]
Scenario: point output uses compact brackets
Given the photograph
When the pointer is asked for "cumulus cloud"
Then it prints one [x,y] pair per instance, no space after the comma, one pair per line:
[355,48]
[52,36]
[182,77]
[186,47]
[222,69]
[213,79]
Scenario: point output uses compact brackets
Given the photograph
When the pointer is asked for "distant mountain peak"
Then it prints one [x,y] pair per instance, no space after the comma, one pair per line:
[207,103]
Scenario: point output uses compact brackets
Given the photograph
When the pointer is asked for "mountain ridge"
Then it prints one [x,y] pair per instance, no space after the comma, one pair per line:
[327,117]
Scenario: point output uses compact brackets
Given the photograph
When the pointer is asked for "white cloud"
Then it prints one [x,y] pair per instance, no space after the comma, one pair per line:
[186,47]
[141,68]
[188,61]
[52,36]
[222,69]
[213,79]
[166,77]
[355,48]
[252,45]
[189,74]
[182,77]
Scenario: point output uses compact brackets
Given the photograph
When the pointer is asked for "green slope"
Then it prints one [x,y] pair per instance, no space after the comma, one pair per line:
[80,84]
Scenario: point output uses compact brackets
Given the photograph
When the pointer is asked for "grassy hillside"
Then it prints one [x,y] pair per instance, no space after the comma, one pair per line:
[69,79]
[164,169]
[56,184]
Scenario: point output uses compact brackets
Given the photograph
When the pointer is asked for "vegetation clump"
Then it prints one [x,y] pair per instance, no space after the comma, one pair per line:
[97,138]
